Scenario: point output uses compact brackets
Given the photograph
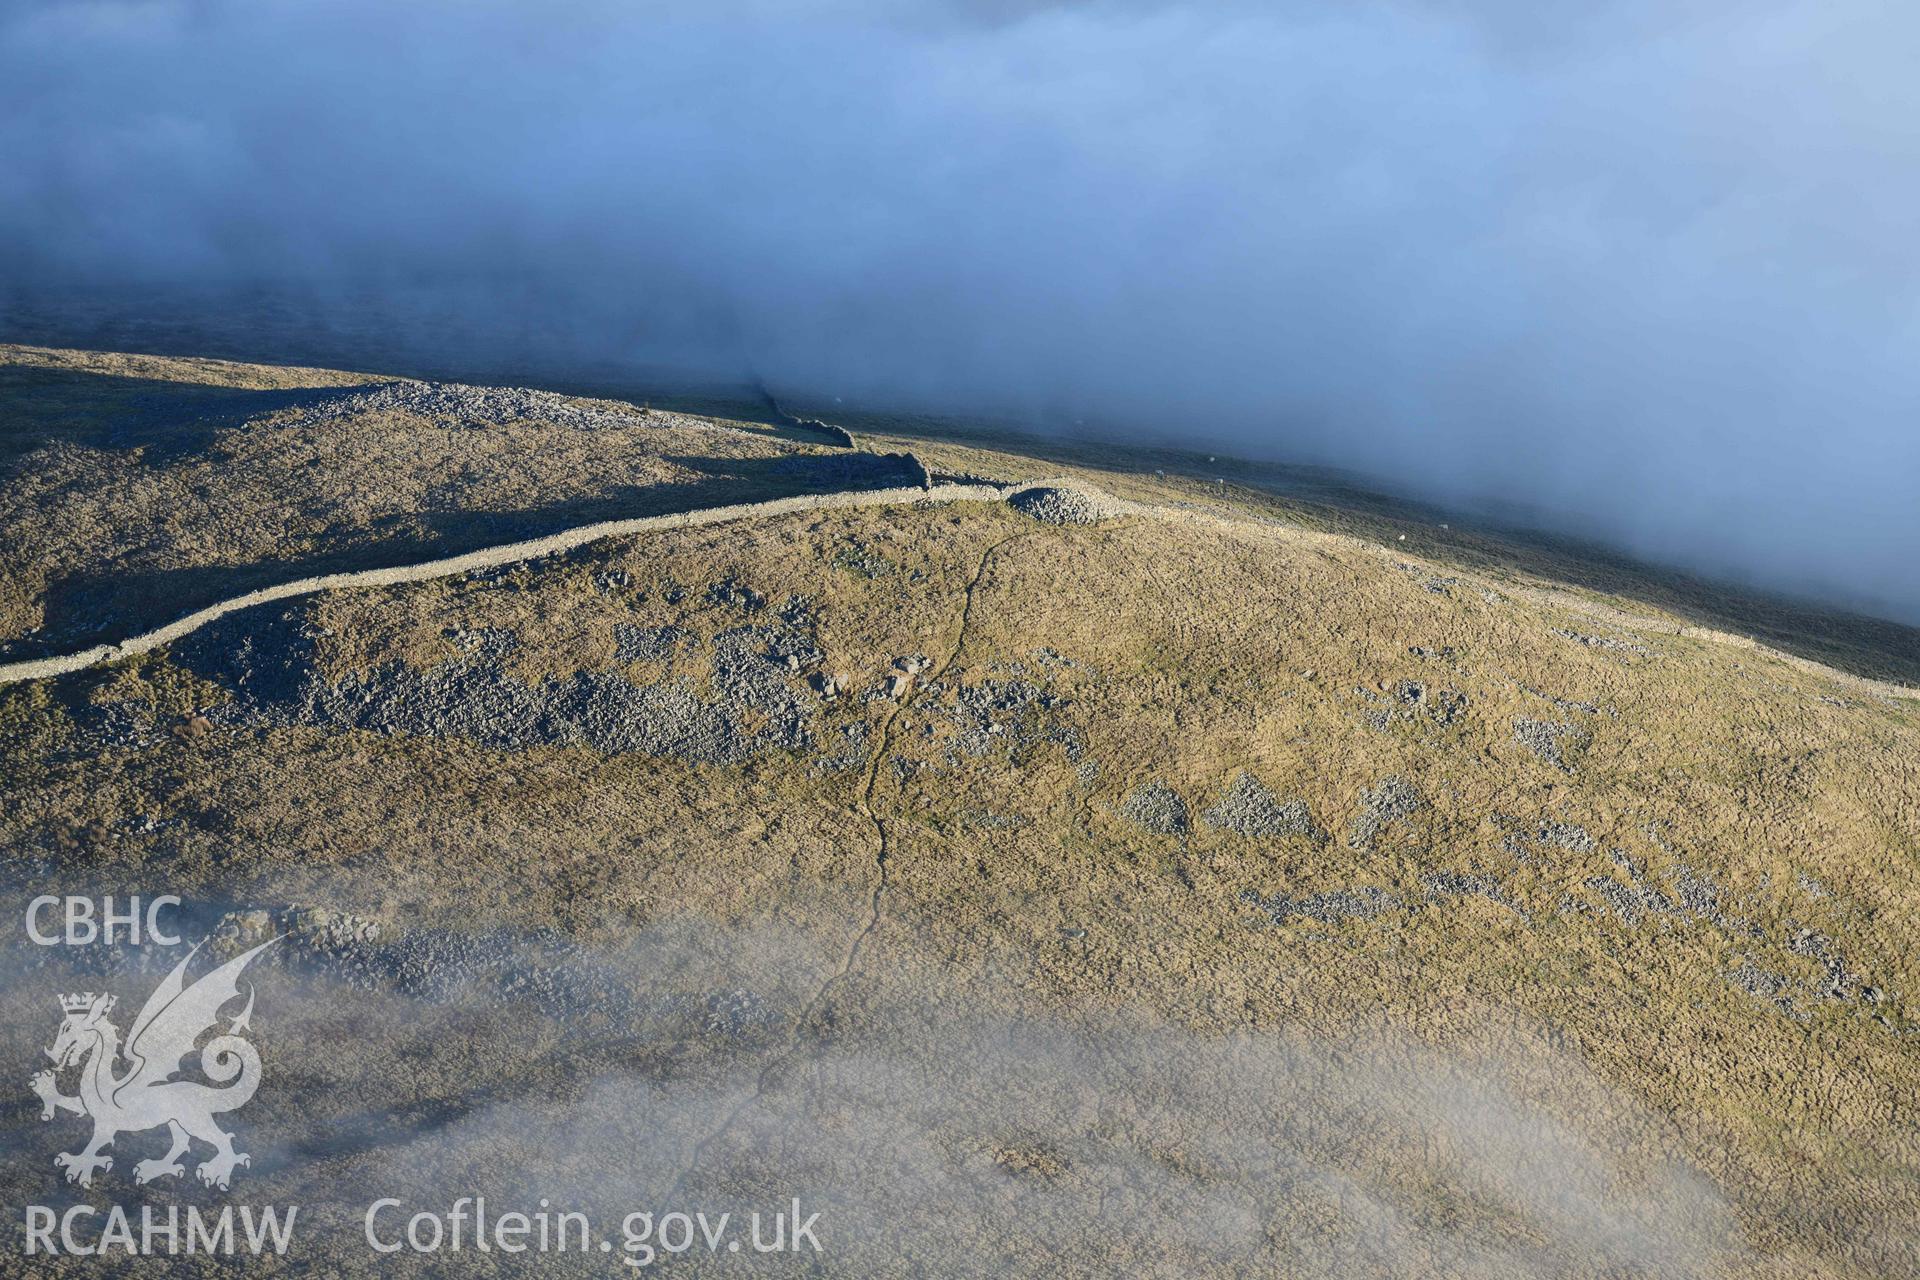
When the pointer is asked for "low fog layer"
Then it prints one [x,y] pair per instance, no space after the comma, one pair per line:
[1645,268]
[932,1140]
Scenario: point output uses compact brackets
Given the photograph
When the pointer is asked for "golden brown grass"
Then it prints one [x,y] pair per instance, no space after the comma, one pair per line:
[1180,651]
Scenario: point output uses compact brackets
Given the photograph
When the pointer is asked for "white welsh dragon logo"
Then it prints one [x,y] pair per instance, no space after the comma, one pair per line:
[145,1095]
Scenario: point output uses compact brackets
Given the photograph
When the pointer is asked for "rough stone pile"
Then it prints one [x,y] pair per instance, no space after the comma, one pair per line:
[1556,743]
[455,404]
[1362,903]
[1249,809]
[1156,807]
[1394,800]
[754,700]
[1052,505]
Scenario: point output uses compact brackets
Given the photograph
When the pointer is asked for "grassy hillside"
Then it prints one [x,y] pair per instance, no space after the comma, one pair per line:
[1197,889]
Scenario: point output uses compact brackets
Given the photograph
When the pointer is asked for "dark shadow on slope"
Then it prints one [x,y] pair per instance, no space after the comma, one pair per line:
[128,598]
[175,419]
[169,420]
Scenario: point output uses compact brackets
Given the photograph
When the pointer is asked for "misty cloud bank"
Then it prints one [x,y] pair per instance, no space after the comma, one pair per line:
[1646,267]
[935,1137]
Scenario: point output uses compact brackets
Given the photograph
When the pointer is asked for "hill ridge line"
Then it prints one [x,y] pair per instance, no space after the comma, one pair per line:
[850,499]
[514,553]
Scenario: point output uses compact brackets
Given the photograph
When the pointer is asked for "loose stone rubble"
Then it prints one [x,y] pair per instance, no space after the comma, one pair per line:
[1051,505]
[1249,809]
[754,700]
[1394,800]
[1556,742]
[1156,807]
